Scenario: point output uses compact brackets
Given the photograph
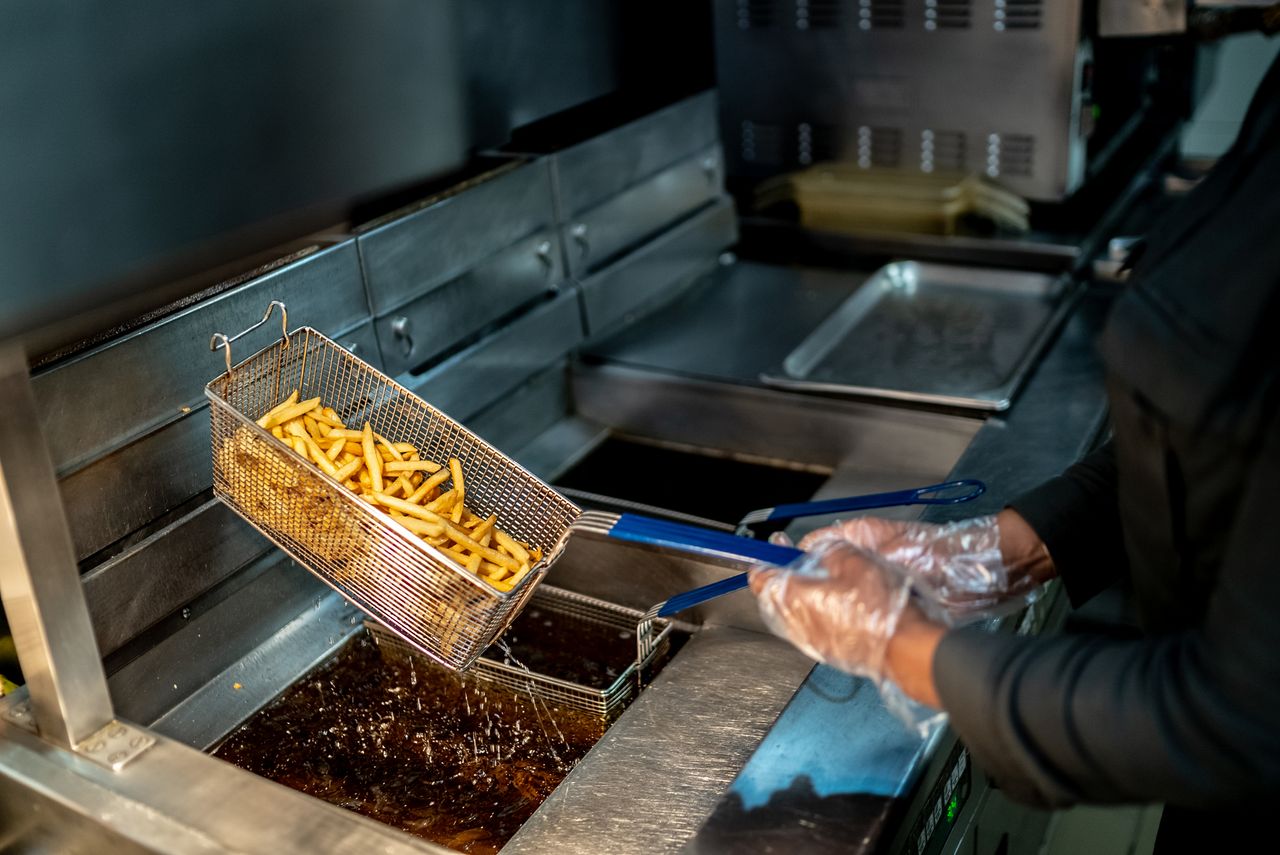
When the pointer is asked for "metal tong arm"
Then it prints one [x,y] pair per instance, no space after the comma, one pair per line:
[700,541]
[218,340]
[973,488]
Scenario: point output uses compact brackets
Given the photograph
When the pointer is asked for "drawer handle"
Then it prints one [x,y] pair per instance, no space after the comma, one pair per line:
[401,329]
[579,234]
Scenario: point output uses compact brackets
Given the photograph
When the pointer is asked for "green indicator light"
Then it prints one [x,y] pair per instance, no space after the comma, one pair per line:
[1097,111]
[952,810]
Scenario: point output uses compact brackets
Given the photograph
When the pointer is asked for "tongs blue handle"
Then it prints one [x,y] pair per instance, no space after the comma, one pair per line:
[701,541]
[972,488]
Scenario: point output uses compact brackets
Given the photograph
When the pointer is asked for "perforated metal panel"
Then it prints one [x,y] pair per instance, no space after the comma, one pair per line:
[915,85]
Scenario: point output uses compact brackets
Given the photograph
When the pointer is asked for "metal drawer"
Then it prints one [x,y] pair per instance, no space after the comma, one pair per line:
[636,214]
[592,171]
[112,394]
[454,310]
[658,269]
[409,256]
[471,380]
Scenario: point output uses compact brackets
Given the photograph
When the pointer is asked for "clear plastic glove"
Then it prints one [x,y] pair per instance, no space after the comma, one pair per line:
[841,605]
[838,603]
[958,566]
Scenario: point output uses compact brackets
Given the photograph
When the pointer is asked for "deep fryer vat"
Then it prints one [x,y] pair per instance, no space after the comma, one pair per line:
[459,759]
[447,613]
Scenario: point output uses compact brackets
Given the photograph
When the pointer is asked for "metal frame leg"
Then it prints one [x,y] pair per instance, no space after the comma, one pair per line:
[41,591]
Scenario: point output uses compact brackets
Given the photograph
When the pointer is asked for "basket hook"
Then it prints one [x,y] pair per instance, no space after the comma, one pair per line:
[220,340]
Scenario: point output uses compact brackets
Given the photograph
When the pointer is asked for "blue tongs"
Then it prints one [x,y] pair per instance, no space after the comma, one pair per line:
[702,541]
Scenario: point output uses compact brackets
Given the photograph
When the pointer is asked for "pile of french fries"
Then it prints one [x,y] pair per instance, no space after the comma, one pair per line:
[423,496]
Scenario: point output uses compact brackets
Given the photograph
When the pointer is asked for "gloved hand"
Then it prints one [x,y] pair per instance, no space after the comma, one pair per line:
[963,567]
[838,603]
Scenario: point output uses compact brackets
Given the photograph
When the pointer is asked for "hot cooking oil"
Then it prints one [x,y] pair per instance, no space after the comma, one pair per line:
[457,761]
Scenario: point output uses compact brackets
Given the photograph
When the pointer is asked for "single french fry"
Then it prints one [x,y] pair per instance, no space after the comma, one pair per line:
[456,554]
[460,537]
[455,471]
[372,460]
[413,466]
[281,416]
[484,526]
[321,416]
[389,446]
[443,503]
[265,420]
[514,578]
[403,486]
[509,543]
[428,485]
[347,433]
[405,448]
[419,527]
[456,513]
[335,449]
[408,509]
[317,456]
[473,563]
[277,432]
[312,427]
[492,572]
[349,469]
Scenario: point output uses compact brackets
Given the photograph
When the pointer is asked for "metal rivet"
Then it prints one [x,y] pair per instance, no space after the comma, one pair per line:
[186,612]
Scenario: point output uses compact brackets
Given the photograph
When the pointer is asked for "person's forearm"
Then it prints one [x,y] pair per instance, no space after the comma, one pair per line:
[909,656]
[1024,554]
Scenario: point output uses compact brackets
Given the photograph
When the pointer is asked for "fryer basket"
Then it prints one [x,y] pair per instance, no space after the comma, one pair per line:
[440,609]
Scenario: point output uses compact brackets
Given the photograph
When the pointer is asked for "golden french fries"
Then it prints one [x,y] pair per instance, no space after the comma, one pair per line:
[394,478]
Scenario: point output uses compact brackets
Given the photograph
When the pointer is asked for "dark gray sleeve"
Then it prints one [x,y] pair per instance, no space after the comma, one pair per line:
[1077,515]
[1189,718]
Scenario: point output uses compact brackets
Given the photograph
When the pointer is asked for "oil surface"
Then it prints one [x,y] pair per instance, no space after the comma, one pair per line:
[594,656]
[455,761]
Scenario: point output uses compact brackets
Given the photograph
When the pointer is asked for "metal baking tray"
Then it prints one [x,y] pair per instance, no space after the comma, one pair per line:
[935,333]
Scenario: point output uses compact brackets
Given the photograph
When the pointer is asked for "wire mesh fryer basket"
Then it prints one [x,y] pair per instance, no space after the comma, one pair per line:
[572,611]
[442,610]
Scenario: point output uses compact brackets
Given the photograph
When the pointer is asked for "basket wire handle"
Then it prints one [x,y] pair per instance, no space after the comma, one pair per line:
[220,340]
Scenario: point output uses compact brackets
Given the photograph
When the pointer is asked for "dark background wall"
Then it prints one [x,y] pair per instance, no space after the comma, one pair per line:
[142,141]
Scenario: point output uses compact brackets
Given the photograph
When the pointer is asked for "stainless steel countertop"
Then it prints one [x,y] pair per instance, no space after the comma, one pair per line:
[829,773]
